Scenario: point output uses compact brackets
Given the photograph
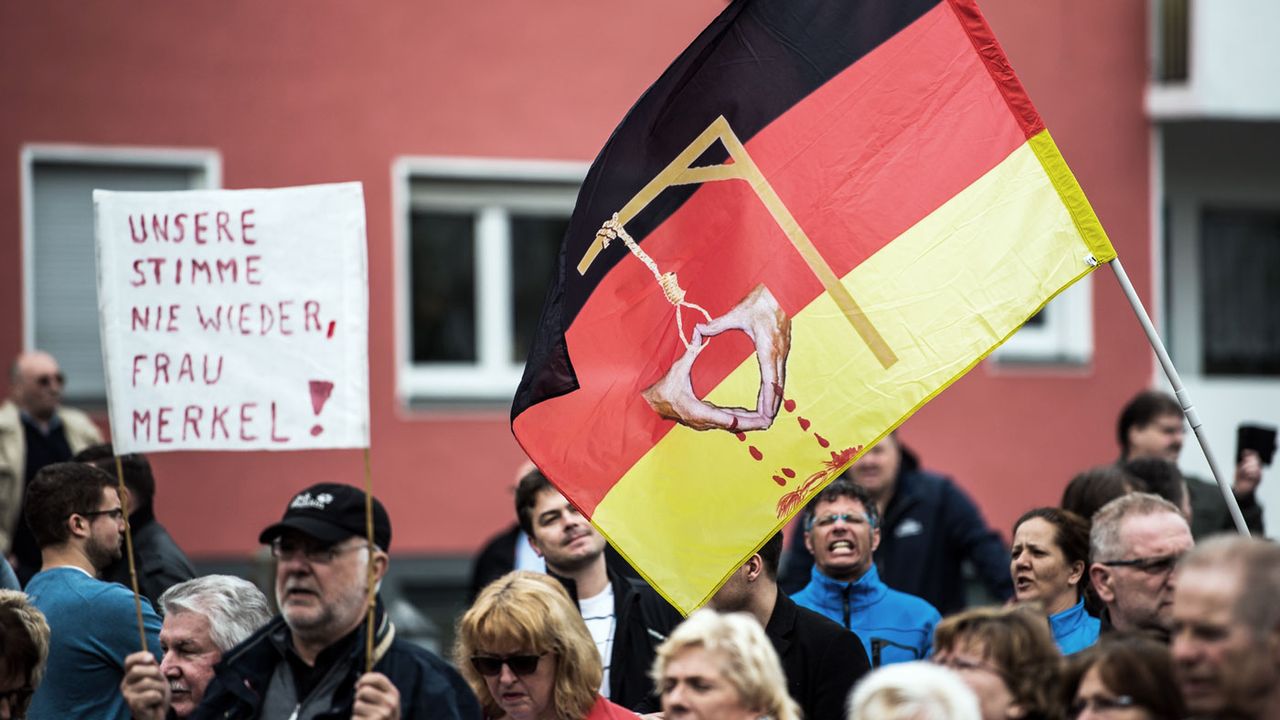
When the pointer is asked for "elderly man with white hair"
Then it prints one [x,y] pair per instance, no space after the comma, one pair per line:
[203,619]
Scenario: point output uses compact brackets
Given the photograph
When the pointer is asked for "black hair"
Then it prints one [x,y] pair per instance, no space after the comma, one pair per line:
[1144,408]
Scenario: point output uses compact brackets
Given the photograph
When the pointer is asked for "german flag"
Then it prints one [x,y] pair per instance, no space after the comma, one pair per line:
[819,217]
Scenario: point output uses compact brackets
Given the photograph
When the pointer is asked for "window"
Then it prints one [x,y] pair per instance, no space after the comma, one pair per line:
[477,248]
[1240,291]
[1060,334]
[60,312]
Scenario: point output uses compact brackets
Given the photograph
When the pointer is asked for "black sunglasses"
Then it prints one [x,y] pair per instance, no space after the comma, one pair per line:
[1150,565]
[48,380]
[521,665]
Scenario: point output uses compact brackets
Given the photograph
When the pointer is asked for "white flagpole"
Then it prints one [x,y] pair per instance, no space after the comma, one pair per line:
[1192,416]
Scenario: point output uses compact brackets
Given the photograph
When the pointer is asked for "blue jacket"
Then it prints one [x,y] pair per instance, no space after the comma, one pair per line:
[893,626]
[1074,629]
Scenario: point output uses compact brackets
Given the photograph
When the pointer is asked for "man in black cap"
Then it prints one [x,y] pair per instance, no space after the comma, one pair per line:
[309,662]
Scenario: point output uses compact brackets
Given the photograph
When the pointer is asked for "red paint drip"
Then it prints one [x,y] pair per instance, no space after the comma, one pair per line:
[755,453]
[742,437]
[790,405]
[804,424]
[332,324]
[789,472]
[316,430]
[822,441]
[779,480]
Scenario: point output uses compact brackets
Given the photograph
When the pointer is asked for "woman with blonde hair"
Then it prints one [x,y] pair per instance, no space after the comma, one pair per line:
[1007,656]
[526,652]
[721,667]
[23,652]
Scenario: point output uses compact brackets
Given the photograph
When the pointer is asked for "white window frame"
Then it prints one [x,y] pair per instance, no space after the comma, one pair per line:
[1064,338]
[205,162]
[493,376]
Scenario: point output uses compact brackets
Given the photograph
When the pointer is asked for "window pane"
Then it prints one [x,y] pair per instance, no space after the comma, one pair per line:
[64,283]
[443,259]
[1240,286]
[535,246]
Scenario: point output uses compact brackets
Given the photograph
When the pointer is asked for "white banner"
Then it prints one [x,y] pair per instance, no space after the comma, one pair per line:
[235,319]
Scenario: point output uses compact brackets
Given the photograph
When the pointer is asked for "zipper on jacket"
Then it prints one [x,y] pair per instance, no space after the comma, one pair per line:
[844,605]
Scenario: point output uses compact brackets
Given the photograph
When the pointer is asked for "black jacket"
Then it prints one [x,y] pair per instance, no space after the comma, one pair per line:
[821,660]
[930,527]
[161,563]
[1209,513]
[642,621]
[429,687]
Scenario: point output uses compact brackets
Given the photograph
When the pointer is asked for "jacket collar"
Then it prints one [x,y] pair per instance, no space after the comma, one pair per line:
[863,592]
[1068,620]
[782,622]
[253,660]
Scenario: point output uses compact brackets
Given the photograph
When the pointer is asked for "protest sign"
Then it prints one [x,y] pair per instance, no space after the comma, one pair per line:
[234,319]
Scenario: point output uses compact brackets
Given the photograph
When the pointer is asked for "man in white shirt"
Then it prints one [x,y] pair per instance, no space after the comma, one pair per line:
[627,619]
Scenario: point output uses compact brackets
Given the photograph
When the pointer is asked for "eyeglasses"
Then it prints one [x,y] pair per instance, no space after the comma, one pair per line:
[17,698]
[290,549]
[1159,565]
[116,514]
[961,665]
[850,518]
[51,379]
[491,665]
[1100,704]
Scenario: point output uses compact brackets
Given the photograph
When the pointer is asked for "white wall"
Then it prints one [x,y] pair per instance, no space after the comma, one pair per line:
[1218,164]
[1234,68]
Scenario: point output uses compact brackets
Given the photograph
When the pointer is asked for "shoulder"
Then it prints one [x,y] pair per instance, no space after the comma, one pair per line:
[8,413]
[430,685]
[606,710]
[912,606]
[78,421]
[654,609]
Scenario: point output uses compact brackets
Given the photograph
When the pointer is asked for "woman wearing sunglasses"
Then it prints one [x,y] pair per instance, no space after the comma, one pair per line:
[1122,678]
[526,652]
[1049,560]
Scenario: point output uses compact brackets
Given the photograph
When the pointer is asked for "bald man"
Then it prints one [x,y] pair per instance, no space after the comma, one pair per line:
[35,430]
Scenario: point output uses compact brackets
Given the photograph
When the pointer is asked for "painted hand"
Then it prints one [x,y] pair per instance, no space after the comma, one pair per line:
[761,318]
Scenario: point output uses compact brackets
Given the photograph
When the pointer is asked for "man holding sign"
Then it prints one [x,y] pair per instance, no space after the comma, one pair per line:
[309,661]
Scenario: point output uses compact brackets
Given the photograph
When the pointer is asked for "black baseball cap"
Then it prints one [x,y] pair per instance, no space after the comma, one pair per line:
[331,513]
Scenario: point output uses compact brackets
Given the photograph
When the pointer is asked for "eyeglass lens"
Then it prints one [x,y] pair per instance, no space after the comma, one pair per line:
[490,666]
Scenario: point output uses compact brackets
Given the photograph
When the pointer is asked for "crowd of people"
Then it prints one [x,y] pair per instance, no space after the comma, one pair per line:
[1133,598]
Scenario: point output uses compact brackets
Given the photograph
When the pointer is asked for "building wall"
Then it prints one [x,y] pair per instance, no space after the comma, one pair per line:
[297,92]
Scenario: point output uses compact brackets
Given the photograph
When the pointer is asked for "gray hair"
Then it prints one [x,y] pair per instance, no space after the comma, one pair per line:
[1258,562]
[913,691]
[235,607]
[1104,536]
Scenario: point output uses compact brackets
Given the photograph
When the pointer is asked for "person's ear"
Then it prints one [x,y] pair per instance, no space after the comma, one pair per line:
[1077,573]
[1102,579]
[380,561]
[875,538]
[533,543]
[808,541]
[754,567]
[78,525]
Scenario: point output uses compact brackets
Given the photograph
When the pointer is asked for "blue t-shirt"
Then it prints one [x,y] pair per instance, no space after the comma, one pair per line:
[93,626]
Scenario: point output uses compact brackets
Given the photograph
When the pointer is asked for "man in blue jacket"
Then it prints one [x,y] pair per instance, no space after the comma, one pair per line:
[842,531]
[930,528]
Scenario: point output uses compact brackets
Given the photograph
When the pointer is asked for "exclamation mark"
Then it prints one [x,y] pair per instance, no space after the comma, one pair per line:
[320,392]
